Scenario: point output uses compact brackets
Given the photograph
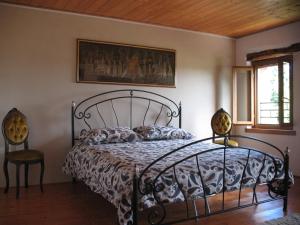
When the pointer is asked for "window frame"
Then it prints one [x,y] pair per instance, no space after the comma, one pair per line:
[269,62]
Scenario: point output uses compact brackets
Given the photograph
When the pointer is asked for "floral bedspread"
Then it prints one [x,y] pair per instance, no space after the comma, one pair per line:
[108,170]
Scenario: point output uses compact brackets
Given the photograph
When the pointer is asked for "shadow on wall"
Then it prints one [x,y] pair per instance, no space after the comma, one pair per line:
[217,78]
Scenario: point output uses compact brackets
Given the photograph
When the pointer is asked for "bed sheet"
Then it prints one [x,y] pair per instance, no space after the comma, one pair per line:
[108,170]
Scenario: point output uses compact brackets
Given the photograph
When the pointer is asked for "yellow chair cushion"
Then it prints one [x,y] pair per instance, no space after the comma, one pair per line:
[230,143]
[221,122]
[25,155]
[15,127]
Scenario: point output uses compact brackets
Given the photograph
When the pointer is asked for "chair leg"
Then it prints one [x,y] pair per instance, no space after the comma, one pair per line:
[26,174]
[5,169]
[42,175]
[17,180]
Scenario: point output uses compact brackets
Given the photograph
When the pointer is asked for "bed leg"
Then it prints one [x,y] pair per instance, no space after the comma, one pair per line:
[74,180]
[285,202]
[207,205]
[286,179]
[196,210]
[134,200]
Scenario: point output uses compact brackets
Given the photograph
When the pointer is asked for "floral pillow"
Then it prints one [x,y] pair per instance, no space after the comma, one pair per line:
[109,135]
[162,133]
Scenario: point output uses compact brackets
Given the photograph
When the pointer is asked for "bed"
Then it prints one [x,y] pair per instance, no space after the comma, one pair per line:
[152,174]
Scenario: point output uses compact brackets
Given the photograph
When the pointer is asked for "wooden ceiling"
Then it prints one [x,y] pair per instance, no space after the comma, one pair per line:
[233,18]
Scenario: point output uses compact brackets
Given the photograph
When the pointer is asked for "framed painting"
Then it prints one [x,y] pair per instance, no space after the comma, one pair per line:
[114,63]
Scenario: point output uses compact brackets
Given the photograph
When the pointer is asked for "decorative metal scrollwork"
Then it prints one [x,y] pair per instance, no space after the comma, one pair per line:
[172,113]
[277,189]
[84,109]
[83,115]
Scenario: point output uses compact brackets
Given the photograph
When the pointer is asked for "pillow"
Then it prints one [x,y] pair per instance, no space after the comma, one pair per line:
[162,133]
[108,135]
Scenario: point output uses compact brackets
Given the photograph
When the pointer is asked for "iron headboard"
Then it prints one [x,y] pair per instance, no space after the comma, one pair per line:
[90,108]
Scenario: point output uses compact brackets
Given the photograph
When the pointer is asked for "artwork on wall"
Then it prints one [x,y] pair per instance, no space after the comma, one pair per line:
[113,63]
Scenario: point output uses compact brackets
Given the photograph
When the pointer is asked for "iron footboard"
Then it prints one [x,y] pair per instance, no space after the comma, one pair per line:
[276,188]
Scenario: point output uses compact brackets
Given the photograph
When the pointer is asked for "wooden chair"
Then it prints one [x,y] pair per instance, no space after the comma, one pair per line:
[221,124]
[15,131]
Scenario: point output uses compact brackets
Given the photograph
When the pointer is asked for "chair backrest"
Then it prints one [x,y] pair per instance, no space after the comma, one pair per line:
[221,123]
[15,128]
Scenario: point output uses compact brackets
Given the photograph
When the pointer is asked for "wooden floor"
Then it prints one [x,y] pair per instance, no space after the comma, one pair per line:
[74,204]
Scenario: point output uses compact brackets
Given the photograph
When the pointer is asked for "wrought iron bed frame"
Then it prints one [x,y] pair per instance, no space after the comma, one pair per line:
[173,110]
[157,214]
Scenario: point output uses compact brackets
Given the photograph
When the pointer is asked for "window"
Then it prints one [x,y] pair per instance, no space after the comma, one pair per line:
[273,93]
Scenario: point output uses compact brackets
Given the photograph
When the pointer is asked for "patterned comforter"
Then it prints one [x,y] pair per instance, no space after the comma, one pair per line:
[108,170]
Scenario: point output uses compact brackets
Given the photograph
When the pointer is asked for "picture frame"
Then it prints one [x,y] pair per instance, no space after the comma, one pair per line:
[116,63]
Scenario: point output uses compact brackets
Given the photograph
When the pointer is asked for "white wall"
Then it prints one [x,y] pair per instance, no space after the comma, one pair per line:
[37,74]
[277,38]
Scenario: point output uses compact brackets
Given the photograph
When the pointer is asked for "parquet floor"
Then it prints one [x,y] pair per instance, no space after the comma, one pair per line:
[75,204]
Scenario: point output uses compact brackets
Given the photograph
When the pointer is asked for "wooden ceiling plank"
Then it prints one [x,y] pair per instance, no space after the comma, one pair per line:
[211,24]
[222,17]
[256,13]
[95,6]
[225,17]
[234,19]
[41,3]
[161,12]
[220,27]
[252,29]
[60,4]
[72,5]
[21,2]
[110,6]
[128,8]
[261,23]
[83,5]
[201,10]
[211,21]
[56,4]
[153,9]
[228,17]
[167,14]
